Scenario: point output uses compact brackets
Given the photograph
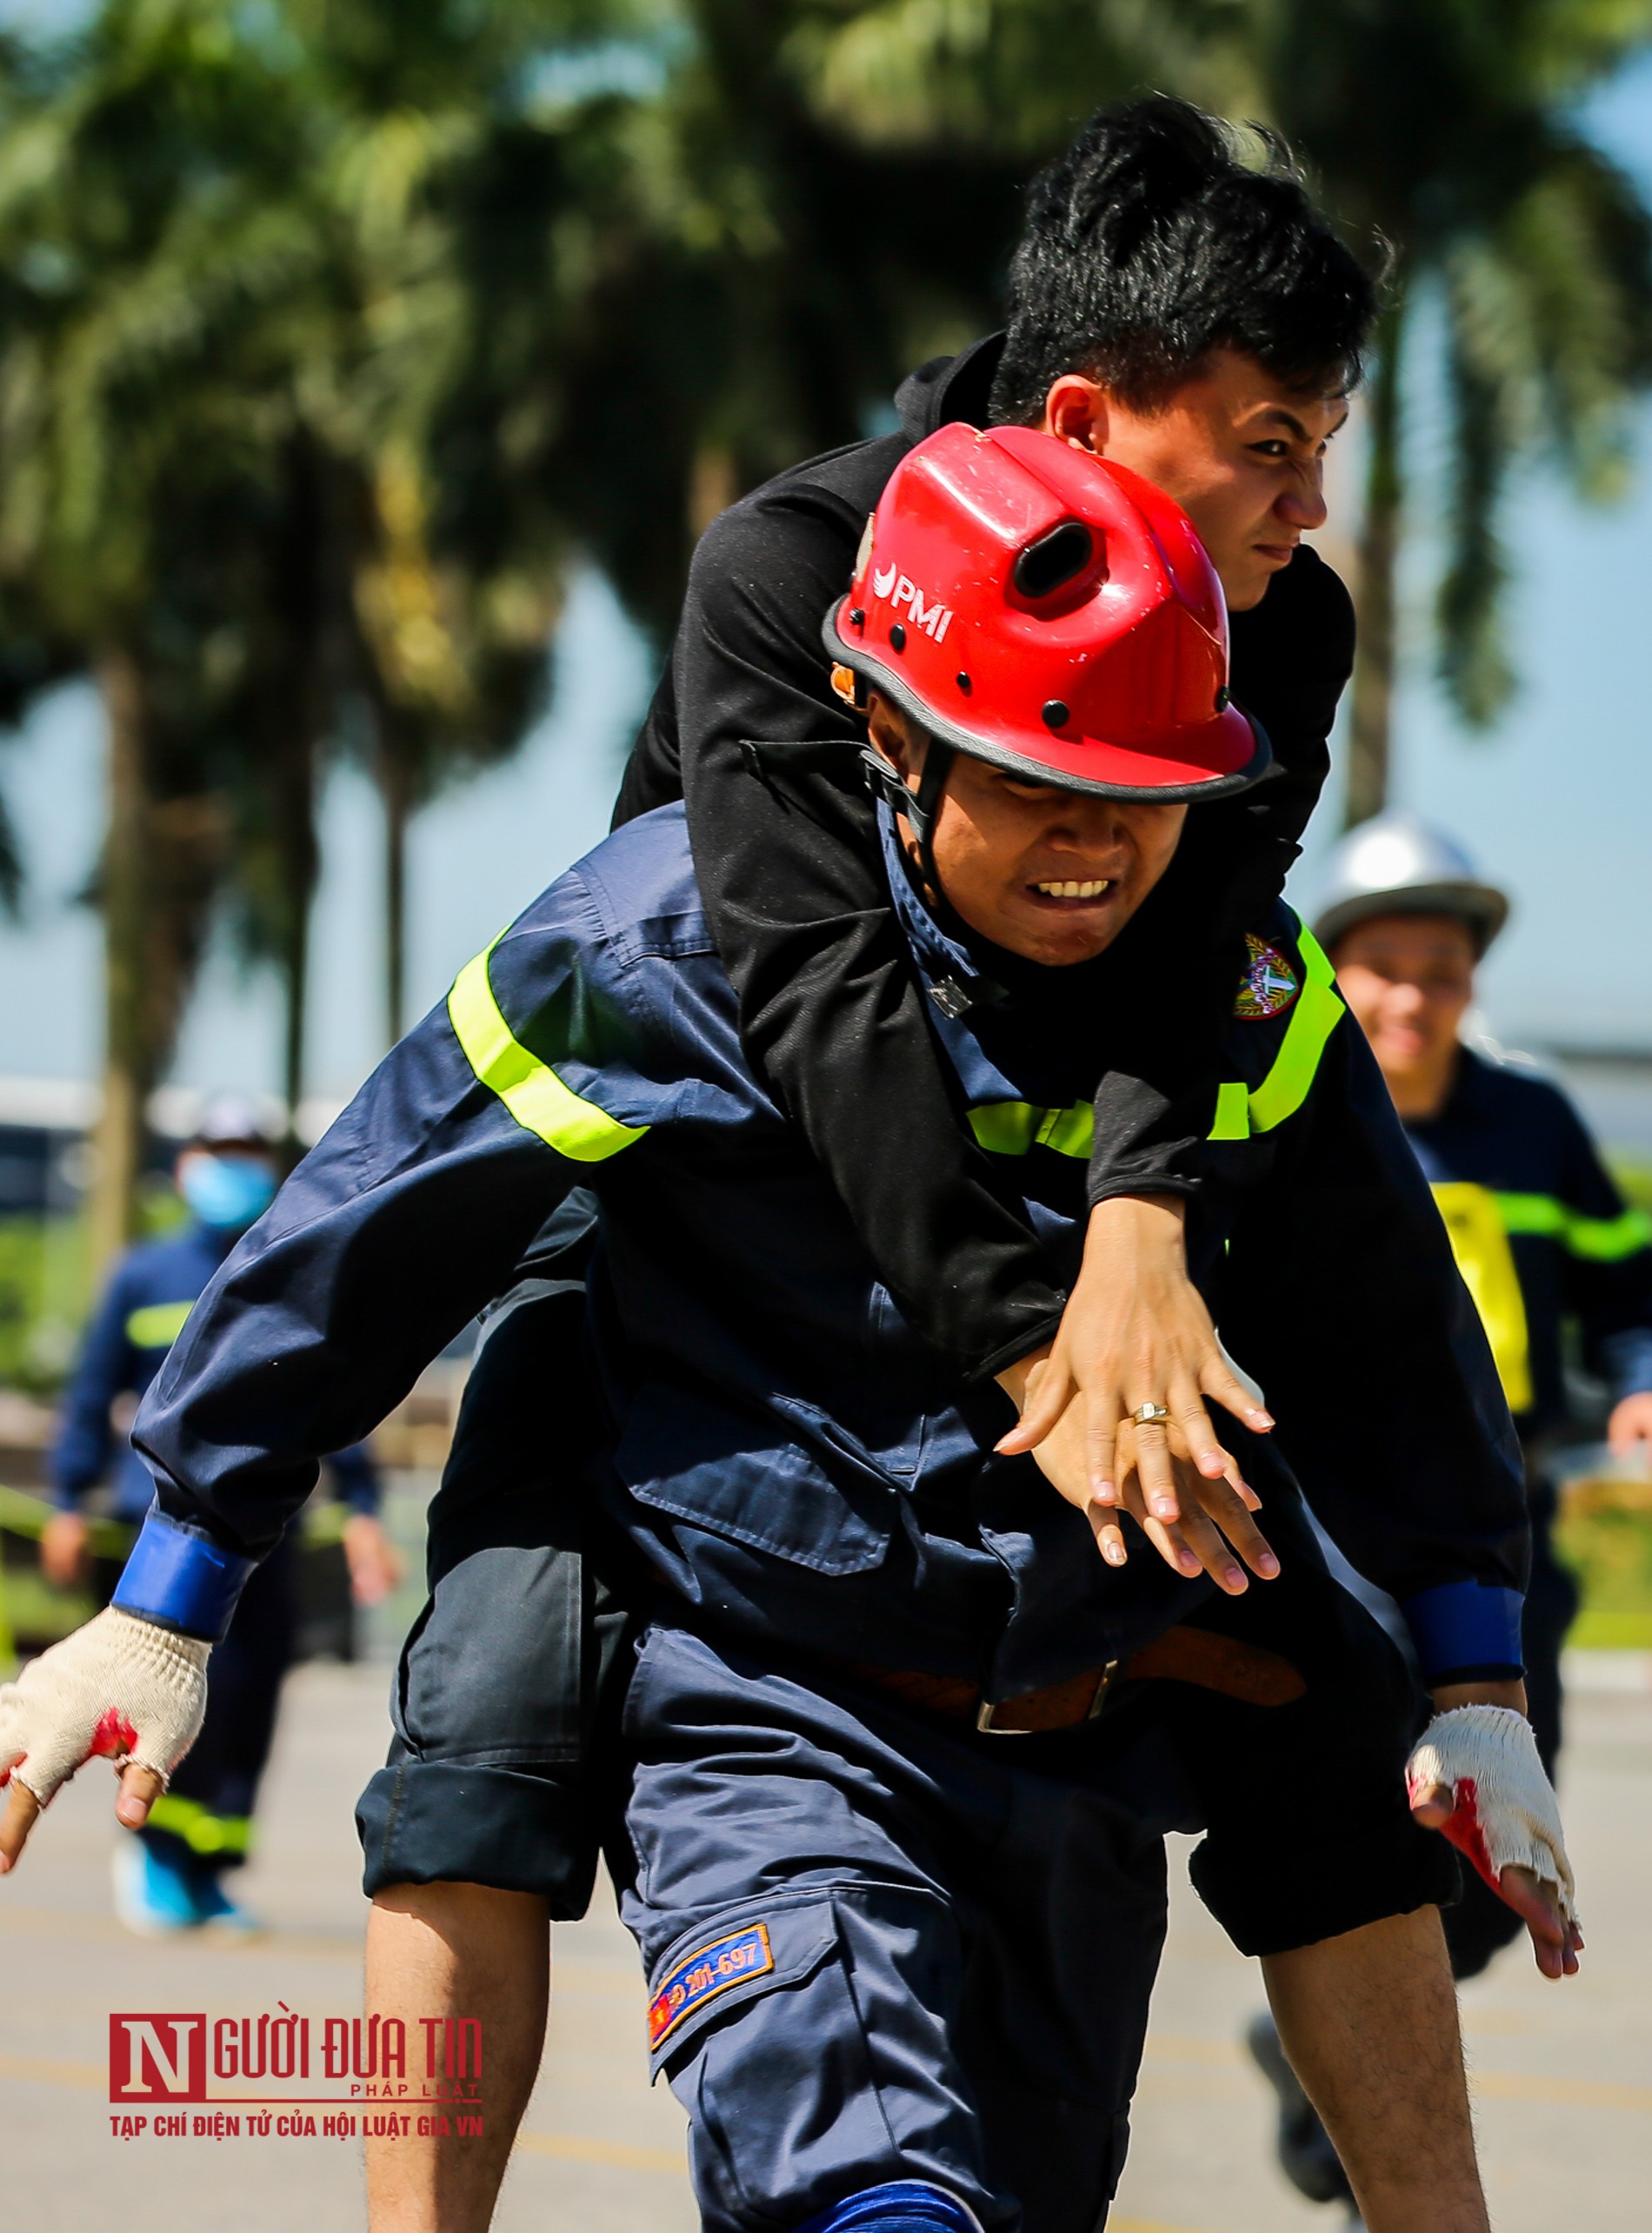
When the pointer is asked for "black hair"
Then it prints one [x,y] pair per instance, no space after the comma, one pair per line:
[1152,242]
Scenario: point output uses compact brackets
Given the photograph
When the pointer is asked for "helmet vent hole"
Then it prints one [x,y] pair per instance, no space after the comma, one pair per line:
[1054,559]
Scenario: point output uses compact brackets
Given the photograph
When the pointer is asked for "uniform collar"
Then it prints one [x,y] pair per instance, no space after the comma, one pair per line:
[1466,1103]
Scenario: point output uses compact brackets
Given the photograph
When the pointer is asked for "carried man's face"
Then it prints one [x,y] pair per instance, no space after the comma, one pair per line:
[1241,453]
[1053,875]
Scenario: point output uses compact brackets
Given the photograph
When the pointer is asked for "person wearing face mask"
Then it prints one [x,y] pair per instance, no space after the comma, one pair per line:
[170,1875]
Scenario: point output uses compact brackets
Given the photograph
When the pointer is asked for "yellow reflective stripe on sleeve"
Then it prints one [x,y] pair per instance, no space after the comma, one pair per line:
[1318,1009]
[157,1325]
[530,1089]
[1010,1128]
[1598,1240]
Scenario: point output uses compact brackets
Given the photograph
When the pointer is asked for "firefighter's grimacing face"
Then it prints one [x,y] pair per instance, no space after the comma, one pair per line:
[1051,875]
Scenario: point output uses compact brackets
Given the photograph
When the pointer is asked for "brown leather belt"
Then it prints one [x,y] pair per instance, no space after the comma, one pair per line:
[1180,1655]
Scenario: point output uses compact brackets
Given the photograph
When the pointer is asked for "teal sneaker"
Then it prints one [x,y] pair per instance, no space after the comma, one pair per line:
[153,1896]
[213,1905]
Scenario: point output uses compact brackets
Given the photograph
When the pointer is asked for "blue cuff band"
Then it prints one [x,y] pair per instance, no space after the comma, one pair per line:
[182,1580]
[1464,1624]
[899,2206]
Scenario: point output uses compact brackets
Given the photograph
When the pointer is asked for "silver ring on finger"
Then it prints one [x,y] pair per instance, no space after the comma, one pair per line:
[1149,1415]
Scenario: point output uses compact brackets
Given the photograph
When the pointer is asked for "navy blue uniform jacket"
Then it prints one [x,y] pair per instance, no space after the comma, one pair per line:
[791,1457]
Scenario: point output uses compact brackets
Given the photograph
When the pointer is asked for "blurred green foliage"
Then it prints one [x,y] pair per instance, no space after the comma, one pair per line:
[1610,1552]
[43,1267]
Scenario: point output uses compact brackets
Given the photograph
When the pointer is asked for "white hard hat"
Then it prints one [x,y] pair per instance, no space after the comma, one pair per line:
[1396,864]
[230,1120]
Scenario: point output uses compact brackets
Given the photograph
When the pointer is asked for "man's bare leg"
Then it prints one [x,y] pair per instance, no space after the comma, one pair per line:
[457,1949]
[1370,2022]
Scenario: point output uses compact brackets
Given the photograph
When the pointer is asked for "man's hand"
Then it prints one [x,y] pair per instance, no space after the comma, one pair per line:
[120,1690]
[1215,1520]
[64,1558]
[375,1563]
[1135,1331]
[1481,1784]
[1630,1428]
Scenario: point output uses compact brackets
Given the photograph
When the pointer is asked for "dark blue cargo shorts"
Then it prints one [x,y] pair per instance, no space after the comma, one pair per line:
[880,1949]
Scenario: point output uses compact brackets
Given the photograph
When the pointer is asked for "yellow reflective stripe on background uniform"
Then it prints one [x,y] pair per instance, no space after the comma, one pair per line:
[157,1325]
[202,1830]
[1479,1237]
[1598,1240]
[1241,1110]
[530,1089]
[1010,1128]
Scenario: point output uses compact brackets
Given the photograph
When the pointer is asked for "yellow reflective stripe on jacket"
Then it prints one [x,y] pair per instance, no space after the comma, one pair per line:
[530,1089]
[1010,1128]
[157,1325]
[202,1830]
[1597,1240]
[1232,1112]
[1479,1236]
[1318,1009]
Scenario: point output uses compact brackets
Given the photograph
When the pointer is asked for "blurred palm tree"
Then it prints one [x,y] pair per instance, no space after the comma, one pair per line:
[236,488]
[140,214]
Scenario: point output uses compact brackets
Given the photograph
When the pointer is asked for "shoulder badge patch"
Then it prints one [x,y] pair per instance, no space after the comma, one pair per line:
[1269,985]
[707,1972]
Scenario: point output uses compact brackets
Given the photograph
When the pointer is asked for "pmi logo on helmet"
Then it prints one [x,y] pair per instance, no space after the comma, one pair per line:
[934,619]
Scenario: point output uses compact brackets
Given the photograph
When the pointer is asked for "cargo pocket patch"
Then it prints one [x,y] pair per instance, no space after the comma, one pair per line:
[703,1975]
[731,1962]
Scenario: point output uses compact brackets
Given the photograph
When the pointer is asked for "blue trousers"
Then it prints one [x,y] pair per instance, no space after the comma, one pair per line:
[878,1951]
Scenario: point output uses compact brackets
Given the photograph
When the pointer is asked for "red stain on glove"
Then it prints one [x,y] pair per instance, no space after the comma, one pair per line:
[113,1737]
[1463,1827]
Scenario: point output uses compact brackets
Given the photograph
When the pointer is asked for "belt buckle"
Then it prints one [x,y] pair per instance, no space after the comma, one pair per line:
[987,1724]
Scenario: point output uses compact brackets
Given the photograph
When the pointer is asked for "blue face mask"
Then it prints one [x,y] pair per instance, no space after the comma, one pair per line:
[226,1192]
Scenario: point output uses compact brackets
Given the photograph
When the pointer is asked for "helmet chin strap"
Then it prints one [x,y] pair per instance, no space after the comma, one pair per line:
[951,995]
[920,806]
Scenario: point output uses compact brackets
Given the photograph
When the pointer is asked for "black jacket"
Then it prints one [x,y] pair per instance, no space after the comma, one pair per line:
[745,728]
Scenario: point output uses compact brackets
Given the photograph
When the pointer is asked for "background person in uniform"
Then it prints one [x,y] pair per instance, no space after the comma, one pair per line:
[169,1875]
[1542,1235]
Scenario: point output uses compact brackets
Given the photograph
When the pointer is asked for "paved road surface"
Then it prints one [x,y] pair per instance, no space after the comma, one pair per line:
[1564,2075]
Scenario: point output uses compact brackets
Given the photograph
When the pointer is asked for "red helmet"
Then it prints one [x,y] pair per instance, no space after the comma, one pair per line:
[1052,613]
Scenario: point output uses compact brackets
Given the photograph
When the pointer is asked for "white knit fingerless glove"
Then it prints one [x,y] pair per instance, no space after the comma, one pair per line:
[1506,1813]
[120,1689]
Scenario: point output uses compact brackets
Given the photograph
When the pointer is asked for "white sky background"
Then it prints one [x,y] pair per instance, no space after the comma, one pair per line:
[1557,803]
